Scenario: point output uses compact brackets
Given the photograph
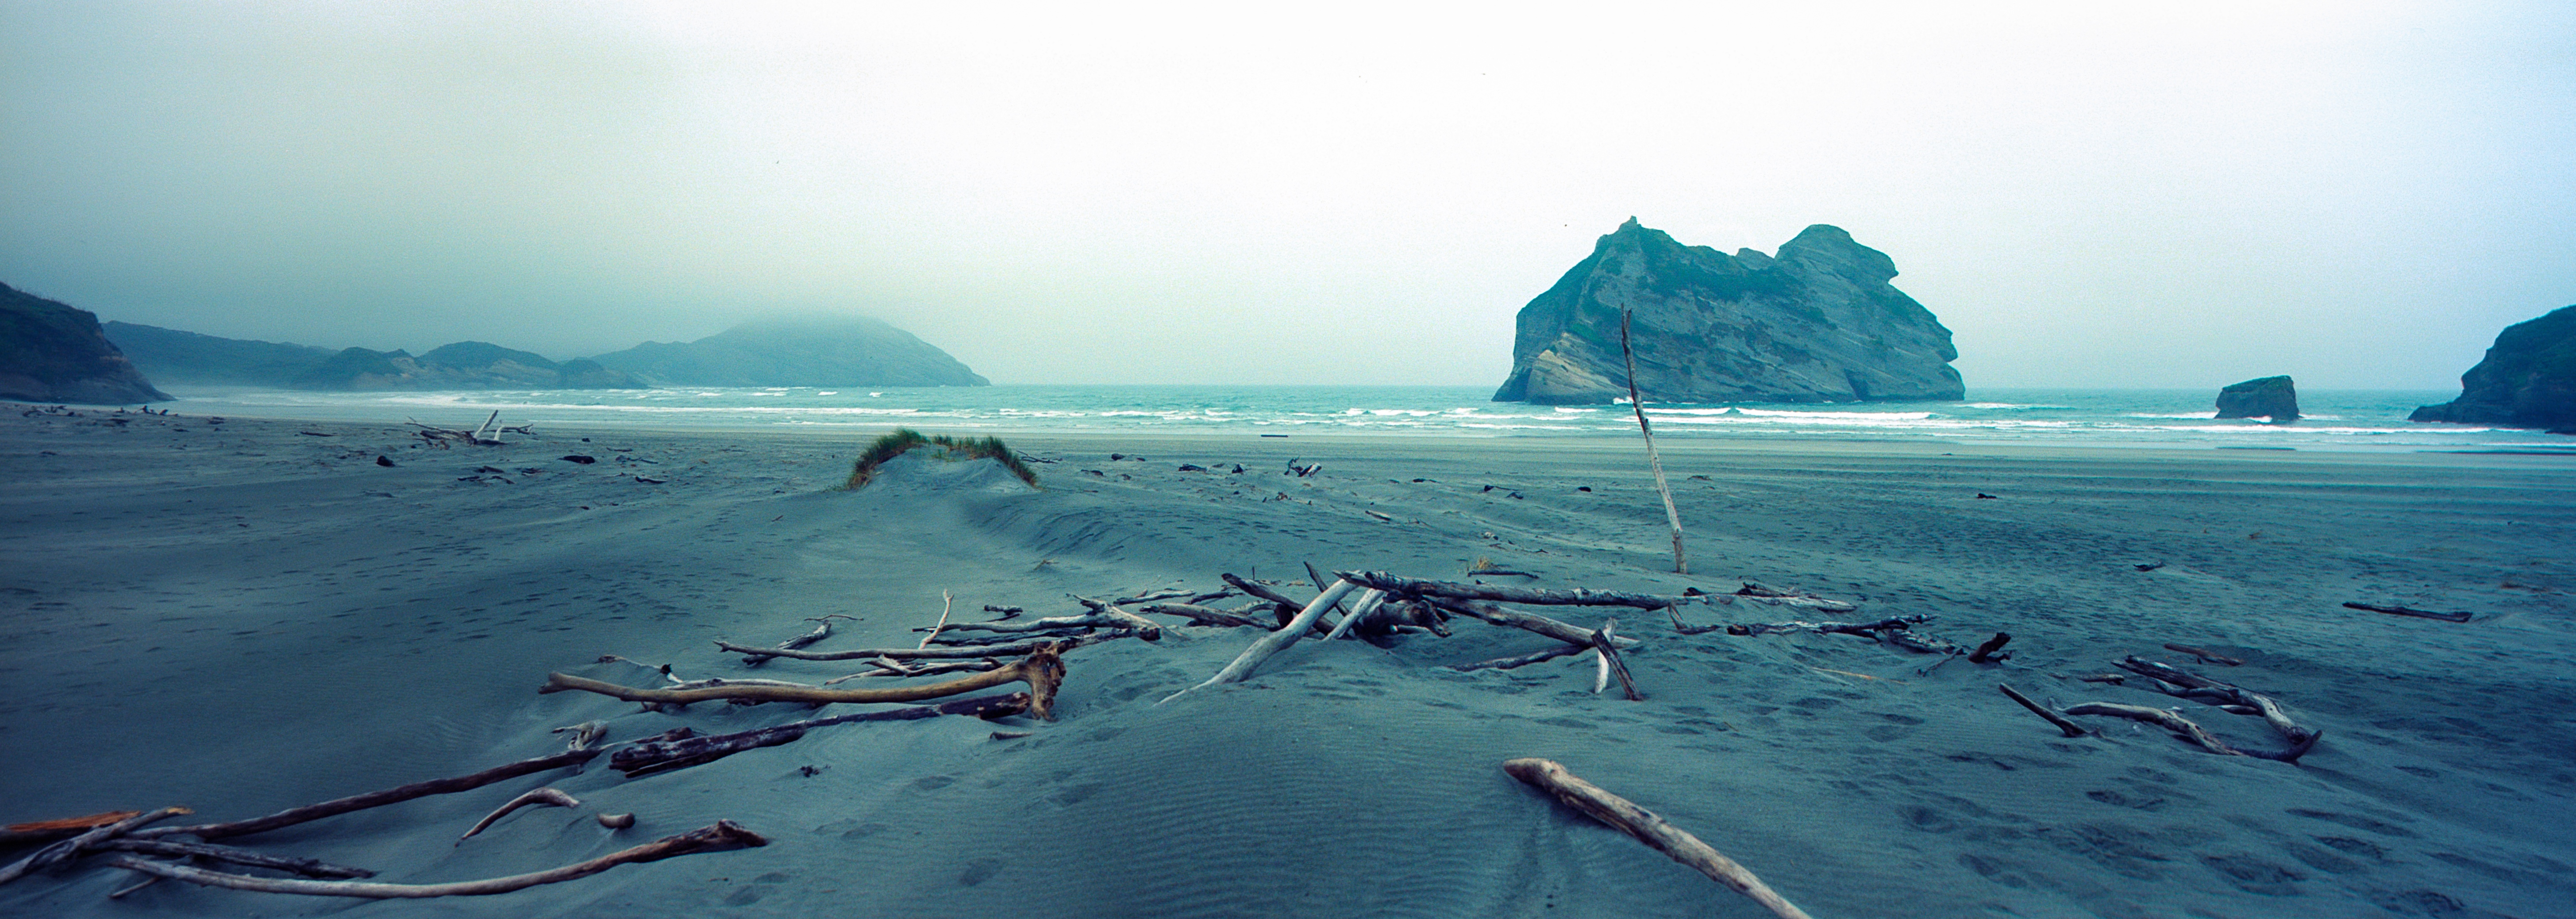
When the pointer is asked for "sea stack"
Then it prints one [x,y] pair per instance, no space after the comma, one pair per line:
[55,352]
[1816,323]
[2268,397]
[2527,380]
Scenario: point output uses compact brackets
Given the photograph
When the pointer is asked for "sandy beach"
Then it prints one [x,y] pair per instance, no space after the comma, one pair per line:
[249,615]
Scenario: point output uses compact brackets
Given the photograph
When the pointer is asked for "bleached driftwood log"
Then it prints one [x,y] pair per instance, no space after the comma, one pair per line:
[1759,593]
[722,836]
[72,848]
[656,756]
[311,812]
[545,796]
[2407,611]
[1571,634]
[890,668]
[312,868]
[2184,728]
[1366,607]
[1265,646]
[1042,669]
[1647,827]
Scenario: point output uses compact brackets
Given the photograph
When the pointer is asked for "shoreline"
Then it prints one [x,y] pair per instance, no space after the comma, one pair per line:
[239,617]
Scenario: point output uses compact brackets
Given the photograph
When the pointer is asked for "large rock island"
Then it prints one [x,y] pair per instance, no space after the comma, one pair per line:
[851,351]
[55,352]
[2528,378]
[1816,323]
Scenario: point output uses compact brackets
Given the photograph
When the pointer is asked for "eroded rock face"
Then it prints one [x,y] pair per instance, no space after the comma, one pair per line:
[1817,323]
[2269,397]
[54,352]
[2528,379]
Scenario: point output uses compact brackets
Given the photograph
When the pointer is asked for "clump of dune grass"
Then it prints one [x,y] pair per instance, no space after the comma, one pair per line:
[902,440]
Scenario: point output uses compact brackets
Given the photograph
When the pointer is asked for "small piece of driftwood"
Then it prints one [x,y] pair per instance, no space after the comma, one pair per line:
[312,868]
[1611,663]
[2405,611]
[722,836]
[1042,669]
[947,601]
[2184,684]
[2062,722]
[616,821]
[1992,650]
[311,812]
[1647,827]
[650,757]
[1507,663]
[2206,656]
[1778,597]
[822,630]
[1279,640]
[72,848]
[534,797]
[1869,630]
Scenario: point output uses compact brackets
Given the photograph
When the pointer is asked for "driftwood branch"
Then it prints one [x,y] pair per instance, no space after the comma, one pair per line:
[2184,728]
[1612,664]
[656,756]
[312,812]
[1265,646]
[1201,615]
[2205,655]
[545,796]
[902,654]
[1647,827]
[2405,611]
[1654,461]
[2180,683]
[1366,607]
[72,848]
[897,669]
[2062,722]
[822,630]
[1530,596]
[1869,630]
[722,836]
[17,834]
[312,868]
[1043,670]
[1507,663]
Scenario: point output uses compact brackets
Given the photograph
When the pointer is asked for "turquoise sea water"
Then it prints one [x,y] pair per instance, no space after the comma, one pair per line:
[2336,420]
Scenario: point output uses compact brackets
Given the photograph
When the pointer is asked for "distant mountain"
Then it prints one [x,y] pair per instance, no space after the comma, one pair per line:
[463,365]
[173,356]
[839,352]
[55,352]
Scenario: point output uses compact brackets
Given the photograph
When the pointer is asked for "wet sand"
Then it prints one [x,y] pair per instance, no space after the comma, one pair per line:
[241,617]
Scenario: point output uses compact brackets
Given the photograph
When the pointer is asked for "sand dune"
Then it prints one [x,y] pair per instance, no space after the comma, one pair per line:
[242,617]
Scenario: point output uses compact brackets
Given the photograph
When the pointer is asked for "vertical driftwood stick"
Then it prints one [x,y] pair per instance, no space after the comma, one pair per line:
[1611,664]
[945,601]
[1626,817]
[1654,461]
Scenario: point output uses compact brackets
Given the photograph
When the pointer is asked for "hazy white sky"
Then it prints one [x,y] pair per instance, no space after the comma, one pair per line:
[2165,194]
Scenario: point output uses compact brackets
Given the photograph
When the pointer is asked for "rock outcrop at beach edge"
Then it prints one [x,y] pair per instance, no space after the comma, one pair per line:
[55,352]
[2528,379]
[1816,323]
[2276,398]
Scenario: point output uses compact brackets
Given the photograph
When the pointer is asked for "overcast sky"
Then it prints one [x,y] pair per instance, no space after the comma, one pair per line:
[2152,194]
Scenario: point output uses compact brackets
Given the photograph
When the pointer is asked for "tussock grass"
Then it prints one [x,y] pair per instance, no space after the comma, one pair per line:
[902,440]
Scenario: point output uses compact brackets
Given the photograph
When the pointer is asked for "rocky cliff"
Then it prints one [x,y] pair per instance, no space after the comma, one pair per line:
[53,352]
[835,352]
[2276,398]
[1816,323]
[2528,378]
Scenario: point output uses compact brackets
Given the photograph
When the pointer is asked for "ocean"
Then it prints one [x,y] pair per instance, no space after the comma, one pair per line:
[2368,420]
